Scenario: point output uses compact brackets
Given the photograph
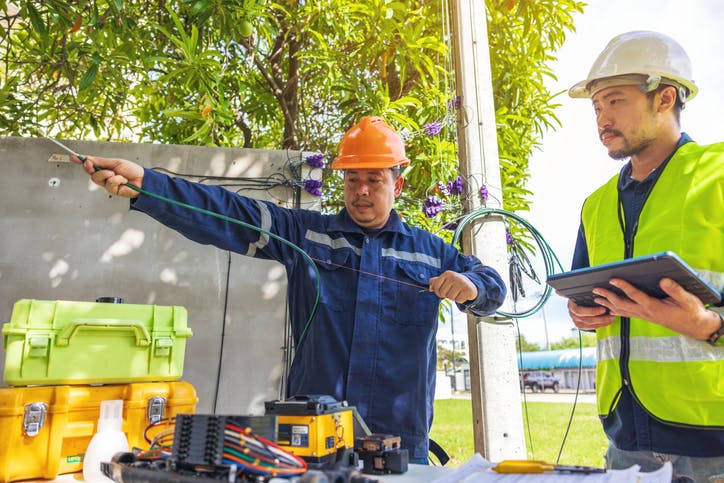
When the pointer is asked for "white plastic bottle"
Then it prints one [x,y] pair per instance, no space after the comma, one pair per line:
[108,440]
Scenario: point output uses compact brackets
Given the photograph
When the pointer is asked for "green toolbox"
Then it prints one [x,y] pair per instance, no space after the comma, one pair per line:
[66,342]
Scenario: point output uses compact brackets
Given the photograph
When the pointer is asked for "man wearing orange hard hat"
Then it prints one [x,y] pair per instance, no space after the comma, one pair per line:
[372,339]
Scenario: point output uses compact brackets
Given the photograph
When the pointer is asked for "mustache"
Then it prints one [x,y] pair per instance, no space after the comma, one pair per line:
[364,202]
[613,132]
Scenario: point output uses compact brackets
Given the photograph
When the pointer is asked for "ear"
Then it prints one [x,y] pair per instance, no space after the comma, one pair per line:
[667,99]
[399,182]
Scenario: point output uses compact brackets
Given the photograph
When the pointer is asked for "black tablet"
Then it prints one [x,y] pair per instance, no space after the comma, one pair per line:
[644,272]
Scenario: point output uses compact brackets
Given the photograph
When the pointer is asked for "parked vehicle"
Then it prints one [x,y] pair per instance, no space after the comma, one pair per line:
[539,381]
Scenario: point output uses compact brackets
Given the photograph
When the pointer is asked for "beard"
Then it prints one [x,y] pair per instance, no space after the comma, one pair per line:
[630,147]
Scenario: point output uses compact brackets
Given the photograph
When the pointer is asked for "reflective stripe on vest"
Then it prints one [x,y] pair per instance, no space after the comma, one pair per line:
[660,349]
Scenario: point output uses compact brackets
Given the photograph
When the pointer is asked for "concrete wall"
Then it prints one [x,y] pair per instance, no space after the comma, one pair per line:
[63,238]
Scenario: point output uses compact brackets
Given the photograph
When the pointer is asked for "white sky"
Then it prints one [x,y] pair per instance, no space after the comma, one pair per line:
[572,161]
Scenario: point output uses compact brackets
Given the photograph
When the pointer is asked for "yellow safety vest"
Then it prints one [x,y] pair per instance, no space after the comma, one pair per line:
[678,380]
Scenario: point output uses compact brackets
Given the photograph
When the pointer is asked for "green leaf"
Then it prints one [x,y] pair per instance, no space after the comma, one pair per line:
[35,19]
[201,132]
[88,77]
[200,6]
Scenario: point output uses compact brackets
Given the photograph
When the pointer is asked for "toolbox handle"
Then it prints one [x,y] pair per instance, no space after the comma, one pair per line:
[143,339]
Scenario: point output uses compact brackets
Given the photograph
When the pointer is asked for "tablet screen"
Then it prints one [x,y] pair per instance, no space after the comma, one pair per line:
[643,272]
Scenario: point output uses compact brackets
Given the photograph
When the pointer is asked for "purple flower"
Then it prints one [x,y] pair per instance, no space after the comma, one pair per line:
[455,187]
[454,103]
[451,225]
[508,237]
[313,187]
[433,128]
[315,160]
[484,193]
[432,206]
[443,188]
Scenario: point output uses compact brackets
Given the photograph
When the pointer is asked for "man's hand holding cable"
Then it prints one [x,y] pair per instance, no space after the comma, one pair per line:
[112,174]
[681,311]
[454,286]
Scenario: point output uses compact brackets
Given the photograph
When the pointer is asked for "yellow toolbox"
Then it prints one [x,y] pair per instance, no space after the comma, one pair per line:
[69,342]
[45,430]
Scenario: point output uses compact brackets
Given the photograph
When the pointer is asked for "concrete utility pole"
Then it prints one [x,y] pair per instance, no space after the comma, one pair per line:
[495,386]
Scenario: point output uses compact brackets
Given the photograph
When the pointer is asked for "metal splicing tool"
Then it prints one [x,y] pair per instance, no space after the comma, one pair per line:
[536,466]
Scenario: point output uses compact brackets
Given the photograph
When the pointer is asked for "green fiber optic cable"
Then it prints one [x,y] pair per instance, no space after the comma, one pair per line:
[245,225]
[548,255]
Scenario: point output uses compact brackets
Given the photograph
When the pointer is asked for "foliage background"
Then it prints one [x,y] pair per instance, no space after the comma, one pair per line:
[280,75]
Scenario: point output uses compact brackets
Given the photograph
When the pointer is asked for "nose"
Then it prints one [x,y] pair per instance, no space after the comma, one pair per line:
[363,189]
[603,121]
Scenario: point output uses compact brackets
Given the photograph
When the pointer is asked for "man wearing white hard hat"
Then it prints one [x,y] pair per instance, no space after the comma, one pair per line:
[660,373]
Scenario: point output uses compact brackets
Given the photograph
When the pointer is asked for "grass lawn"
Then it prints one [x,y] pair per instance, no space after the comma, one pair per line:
[585,444]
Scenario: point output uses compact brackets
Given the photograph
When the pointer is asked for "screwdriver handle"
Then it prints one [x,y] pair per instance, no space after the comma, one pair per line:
[523,466]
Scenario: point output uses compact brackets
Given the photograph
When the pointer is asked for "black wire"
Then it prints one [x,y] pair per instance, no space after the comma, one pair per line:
[272,181]
[525,400]
[223,331]
[575,400]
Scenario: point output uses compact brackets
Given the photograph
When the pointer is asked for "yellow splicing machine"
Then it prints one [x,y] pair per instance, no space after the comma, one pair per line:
[317,428]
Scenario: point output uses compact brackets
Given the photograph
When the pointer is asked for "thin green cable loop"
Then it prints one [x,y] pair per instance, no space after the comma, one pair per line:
[548,255]
[245,225]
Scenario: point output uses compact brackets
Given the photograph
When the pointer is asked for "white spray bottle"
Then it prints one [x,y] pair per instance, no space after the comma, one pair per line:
[108,440]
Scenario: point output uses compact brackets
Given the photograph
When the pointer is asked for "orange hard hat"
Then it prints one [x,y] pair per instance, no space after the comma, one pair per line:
[371,144]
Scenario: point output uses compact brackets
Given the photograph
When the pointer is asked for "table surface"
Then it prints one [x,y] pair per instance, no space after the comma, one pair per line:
[414,474]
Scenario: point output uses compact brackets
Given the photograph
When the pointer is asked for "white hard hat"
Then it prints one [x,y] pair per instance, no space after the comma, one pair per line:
[639,57]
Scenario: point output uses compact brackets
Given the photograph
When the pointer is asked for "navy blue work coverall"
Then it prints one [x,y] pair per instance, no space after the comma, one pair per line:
[372,339]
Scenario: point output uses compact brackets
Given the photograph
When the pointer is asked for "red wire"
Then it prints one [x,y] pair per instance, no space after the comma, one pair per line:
[265,441]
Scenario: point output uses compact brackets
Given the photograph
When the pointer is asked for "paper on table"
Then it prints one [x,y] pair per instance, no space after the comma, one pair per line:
[477,470]
[665,474]
[474,465]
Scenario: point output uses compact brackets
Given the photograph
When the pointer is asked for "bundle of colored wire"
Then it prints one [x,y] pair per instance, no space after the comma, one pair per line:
[162,442]
[258,455]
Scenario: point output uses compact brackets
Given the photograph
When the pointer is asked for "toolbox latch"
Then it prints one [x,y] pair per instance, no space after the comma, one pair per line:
[156,409]
[34,418]
[163,346]
[38,345]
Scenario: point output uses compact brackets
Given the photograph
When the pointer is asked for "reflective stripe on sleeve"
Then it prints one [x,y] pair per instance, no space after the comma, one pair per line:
[266,222]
